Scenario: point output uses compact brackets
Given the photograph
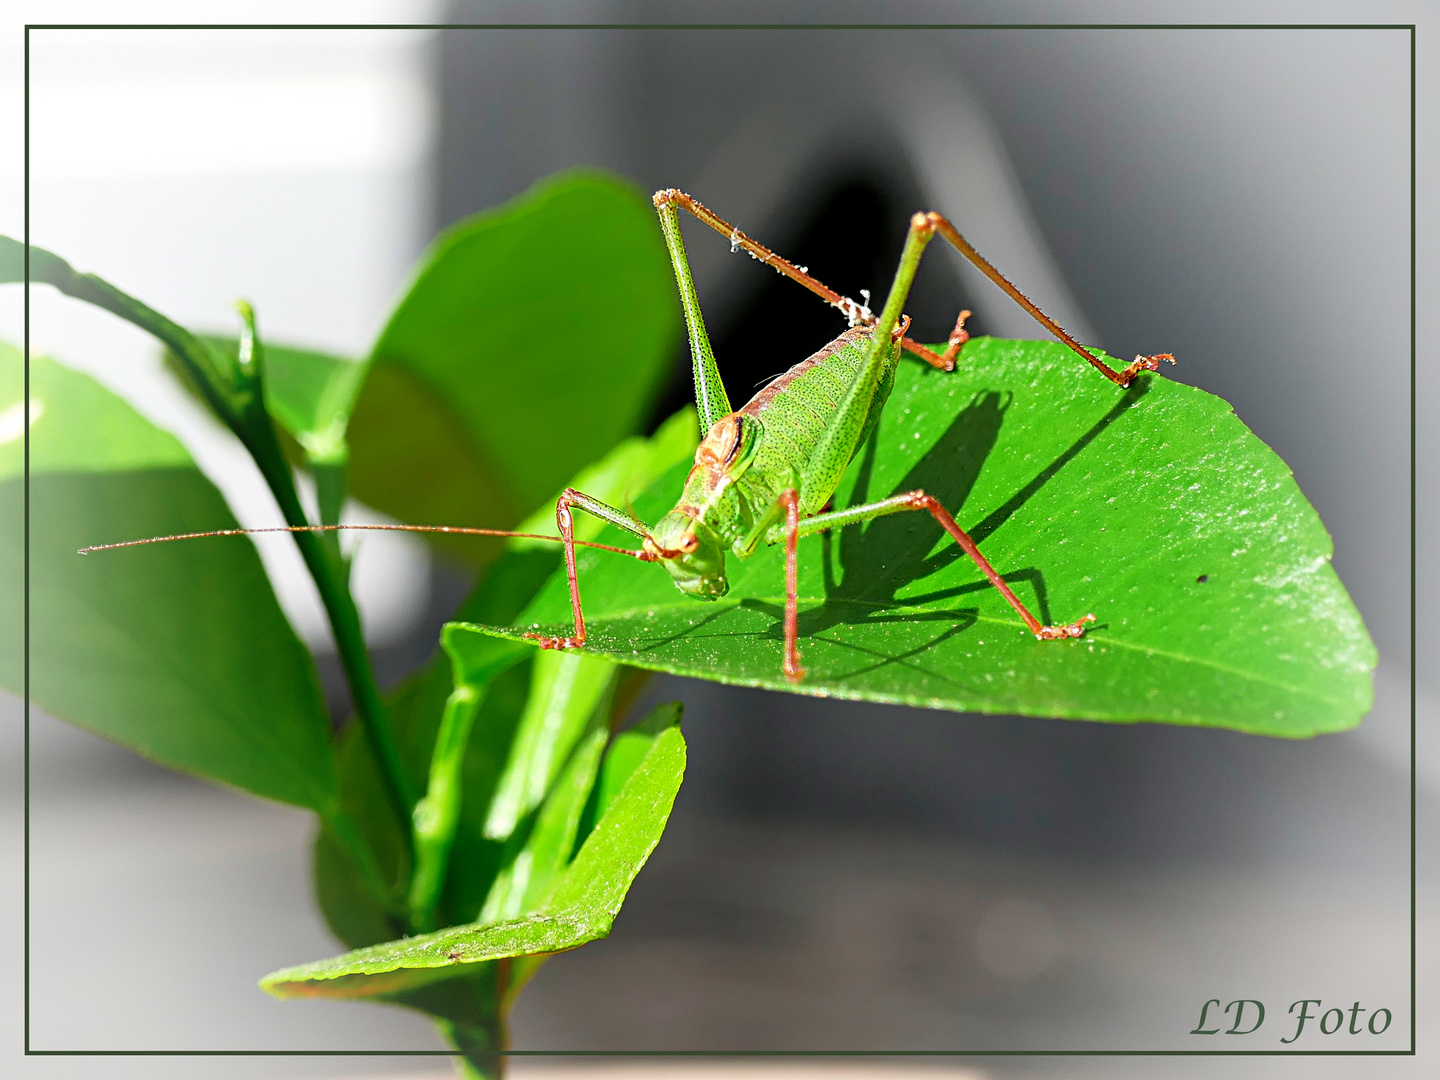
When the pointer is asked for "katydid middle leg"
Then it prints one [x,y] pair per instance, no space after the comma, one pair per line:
[911,500]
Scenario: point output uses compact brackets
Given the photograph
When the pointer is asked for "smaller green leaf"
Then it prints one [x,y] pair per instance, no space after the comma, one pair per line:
[437,814]
[566,821]
[626,752]
[582,907]
[567,695]
[527,878]
[416,706]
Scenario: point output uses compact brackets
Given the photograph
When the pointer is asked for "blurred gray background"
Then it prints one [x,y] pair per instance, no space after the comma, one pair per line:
[841,876]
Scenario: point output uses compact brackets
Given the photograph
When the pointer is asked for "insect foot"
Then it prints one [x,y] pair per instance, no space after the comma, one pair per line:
[1144,363]
[556,642]
[1056,633]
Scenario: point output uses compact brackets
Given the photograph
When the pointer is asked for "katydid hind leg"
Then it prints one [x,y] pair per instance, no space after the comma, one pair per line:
[938,223]
[711,401]
[848,424]
[668,199]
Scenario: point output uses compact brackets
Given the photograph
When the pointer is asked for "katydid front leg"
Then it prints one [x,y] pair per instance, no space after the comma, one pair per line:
[565,521]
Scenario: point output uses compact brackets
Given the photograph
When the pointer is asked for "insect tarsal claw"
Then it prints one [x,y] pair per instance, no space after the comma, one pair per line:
[1057,633]
[1144,363]
[555,642]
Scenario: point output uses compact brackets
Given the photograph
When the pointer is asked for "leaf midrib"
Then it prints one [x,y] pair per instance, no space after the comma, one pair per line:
[907,609]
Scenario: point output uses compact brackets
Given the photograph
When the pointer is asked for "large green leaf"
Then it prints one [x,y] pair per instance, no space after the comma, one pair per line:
[581,908]
[178,650]
[1153,507]
[533,338]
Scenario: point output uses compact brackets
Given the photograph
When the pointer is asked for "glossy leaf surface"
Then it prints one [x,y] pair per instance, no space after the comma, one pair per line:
[1155,508]
[178,651]
[533,338]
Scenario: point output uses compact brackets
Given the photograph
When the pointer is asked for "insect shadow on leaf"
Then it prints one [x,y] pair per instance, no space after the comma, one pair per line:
[1133,393]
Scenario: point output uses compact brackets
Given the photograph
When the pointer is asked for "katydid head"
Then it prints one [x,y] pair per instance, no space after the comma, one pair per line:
[691,553]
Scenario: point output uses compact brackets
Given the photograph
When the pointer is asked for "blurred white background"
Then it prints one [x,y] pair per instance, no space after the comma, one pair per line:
[825,881]
[195,168]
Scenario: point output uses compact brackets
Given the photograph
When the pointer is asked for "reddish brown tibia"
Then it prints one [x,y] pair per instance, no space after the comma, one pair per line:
[918,500]
[790,498]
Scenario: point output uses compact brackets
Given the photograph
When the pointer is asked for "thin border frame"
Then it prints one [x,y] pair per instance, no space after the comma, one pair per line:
[1411,29]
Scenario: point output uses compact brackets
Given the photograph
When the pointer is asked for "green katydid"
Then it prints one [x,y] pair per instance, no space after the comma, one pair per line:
[765,472]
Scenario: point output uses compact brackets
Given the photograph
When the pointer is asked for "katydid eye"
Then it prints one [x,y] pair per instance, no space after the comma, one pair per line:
[689,543]
[721,442]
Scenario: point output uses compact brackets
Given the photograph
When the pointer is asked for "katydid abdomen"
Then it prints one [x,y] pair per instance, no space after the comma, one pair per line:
[794,410]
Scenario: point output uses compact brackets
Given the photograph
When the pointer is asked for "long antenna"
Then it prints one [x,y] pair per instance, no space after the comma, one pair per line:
[458,530]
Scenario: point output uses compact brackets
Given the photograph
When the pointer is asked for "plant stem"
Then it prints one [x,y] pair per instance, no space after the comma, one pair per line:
[481,1044]
[329,577]
[486,1068]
